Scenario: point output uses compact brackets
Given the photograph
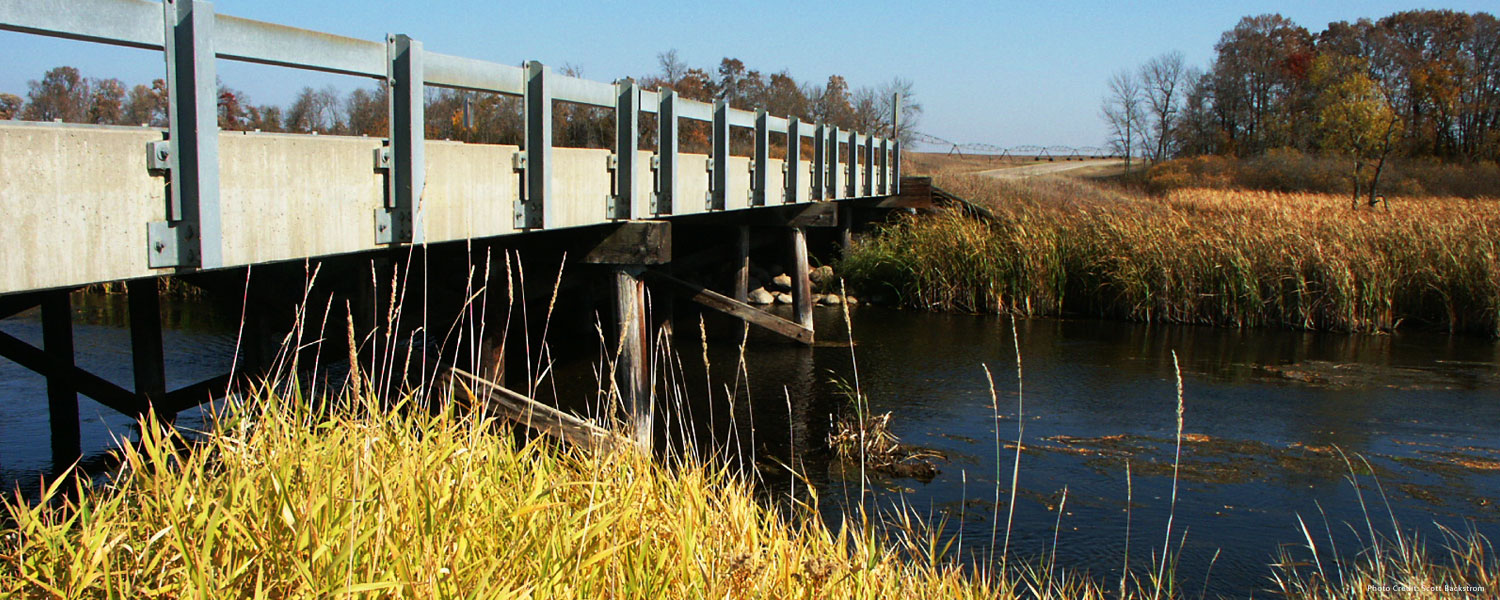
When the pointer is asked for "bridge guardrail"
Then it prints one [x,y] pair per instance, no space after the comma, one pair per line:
[192,36]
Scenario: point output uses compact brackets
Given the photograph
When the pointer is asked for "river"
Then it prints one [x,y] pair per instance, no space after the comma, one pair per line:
[1266,413]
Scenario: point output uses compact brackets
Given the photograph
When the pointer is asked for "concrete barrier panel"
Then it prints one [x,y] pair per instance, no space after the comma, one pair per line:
[471,191]
[288,196]
[75,202]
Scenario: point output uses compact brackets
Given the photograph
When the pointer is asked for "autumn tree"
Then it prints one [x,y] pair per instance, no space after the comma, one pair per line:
[10,106]
[106,102]
[1355,117]
[365,111]
[147,105]
[62,94]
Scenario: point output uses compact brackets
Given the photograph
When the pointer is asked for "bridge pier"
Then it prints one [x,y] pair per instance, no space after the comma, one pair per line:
[146,352]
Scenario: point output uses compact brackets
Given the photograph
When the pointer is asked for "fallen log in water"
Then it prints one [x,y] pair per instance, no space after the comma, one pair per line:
[517,408]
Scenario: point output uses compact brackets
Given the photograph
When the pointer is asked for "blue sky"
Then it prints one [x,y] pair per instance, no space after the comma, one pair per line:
[1005,73]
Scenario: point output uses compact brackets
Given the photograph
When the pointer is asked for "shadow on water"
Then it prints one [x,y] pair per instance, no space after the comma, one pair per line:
[1266,414]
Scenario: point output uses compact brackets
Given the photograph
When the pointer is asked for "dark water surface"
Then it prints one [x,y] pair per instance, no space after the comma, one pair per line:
[1266,413]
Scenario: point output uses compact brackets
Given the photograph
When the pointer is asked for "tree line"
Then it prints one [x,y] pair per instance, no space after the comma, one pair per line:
[1419,83]
[65,94]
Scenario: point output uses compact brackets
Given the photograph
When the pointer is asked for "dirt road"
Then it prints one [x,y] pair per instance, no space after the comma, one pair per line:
[1049,168]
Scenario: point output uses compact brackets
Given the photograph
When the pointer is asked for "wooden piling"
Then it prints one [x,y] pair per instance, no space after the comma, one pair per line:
[633,371]
[846,228]
[62,396]
[742,277]
[801,286]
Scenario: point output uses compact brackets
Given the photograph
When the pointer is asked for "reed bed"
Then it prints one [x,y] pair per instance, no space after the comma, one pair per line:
[1217,257]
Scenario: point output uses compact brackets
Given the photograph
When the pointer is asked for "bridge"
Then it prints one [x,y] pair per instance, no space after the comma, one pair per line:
[1033,152]
[87,204]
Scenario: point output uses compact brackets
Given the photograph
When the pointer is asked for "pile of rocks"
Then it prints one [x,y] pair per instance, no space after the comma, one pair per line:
[774,286]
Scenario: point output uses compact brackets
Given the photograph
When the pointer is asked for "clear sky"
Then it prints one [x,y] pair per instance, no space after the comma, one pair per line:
[1004,73]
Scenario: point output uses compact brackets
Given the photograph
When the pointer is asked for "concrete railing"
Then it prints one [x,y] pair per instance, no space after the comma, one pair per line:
[83,207]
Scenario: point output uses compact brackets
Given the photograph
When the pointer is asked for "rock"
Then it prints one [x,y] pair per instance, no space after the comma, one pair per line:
[831,300]
[821,275]
[817,299]
[851,300]
[782,283]
[783,298]
[759,296]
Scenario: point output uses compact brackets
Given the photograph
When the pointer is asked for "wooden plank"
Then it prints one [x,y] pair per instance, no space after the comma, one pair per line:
[88,384]
[729,306]
[517,408]
[62,395]
[801,286]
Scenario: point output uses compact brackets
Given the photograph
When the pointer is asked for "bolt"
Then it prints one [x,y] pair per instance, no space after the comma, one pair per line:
[159,247]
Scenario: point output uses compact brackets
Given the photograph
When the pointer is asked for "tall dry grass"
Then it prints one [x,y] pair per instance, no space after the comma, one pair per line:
[1221,257]
[277,501]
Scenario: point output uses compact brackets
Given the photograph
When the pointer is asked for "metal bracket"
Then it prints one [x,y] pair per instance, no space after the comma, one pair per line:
[159,156]
[708,197]
[382,158]
[656,177]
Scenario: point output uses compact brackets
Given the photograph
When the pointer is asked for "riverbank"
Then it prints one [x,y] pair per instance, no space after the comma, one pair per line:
[1198,256]
[273,500]
[368,503]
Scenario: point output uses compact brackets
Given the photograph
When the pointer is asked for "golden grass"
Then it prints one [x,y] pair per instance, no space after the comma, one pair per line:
[277,502]
[1221,257]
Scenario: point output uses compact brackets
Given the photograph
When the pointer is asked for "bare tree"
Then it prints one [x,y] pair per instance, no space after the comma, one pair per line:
[1124,112]
[672,67]
[911,109]
[1161,80]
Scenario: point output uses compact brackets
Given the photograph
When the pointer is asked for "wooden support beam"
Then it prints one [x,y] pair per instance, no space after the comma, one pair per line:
[742,264]
[632,243]
[633,371]
[801,286]
[808,214]
[62,395]
[184,398]
[729,306]
[146,354]
[86,383]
